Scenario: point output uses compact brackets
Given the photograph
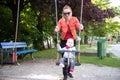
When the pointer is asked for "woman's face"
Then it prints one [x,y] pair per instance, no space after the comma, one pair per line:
[67,13]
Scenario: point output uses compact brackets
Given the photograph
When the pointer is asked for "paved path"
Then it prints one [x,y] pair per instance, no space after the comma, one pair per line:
[115,49]
[47,70]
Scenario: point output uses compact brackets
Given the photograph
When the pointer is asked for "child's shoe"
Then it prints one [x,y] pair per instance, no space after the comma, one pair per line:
[70,75]
[62,65]
[65,78]
[71,70]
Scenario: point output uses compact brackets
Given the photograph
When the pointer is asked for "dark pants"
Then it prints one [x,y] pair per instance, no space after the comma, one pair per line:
[66,69]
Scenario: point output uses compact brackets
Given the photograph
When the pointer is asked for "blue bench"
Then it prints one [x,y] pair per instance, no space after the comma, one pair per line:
[15,50]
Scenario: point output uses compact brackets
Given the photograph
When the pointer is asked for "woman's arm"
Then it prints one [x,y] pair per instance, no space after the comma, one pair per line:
[78,25]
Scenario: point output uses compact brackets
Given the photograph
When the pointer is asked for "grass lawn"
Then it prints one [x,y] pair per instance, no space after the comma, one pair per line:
[87,48]
[107,61]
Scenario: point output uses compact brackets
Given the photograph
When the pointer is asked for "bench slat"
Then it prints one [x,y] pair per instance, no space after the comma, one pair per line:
[26,51]
[5,45]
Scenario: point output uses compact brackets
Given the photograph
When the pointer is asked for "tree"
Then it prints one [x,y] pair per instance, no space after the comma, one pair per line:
[42,12]
[93,15]
[13,6]
[6,24]
[46,20]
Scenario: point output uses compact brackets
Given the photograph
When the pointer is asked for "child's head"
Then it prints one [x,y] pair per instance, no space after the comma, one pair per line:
[70,42]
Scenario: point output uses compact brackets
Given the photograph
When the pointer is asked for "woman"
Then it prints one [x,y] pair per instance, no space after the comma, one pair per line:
[68,25]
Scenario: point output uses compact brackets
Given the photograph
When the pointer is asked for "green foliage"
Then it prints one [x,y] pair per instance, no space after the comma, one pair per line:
[103,4]
[98,29]
[28,23]
[112,27]
[49,26]
[6,24]
[97,26]
[116,11]
[37,19]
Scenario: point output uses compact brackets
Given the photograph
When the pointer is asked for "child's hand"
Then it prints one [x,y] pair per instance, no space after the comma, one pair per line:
[58,45]
[78,38]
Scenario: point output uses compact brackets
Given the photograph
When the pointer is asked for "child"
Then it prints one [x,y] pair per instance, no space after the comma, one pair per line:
[69,46]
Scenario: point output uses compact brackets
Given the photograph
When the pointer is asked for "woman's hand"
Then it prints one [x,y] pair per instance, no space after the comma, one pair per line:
[82,27]
[56,29]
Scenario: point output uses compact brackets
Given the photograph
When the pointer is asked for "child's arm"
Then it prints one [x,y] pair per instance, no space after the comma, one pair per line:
[58,47]
[73,48]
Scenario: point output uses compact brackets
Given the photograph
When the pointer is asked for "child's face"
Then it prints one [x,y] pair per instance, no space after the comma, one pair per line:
[70,42]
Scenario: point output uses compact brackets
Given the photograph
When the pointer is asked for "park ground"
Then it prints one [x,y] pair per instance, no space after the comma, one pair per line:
[45,69]
[42,69]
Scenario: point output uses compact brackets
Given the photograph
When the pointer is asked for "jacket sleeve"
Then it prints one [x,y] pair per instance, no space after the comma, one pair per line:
[59,47]
[58,27]
[78,25]
[74,48]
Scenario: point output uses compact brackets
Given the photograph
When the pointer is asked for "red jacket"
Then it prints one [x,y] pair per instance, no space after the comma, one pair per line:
[73,24]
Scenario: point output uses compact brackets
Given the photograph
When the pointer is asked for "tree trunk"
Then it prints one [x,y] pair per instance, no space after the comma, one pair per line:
[86,39]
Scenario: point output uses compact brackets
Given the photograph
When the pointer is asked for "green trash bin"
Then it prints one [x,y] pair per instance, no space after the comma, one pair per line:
[101,48]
